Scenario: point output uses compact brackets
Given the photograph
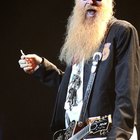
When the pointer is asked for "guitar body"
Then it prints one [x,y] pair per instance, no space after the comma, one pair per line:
[96,126]
[59,135]
[65,134]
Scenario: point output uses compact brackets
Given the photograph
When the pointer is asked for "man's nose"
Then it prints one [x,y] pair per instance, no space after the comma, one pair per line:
[90,1]
[94,2]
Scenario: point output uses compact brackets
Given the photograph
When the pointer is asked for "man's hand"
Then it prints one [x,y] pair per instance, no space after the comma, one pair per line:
[30,63]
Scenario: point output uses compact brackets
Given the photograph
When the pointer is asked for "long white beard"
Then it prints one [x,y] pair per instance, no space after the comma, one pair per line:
[84,37]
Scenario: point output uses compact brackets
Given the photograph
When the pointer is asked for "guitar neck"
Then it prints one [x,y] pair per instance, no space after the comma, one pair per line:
[81,134]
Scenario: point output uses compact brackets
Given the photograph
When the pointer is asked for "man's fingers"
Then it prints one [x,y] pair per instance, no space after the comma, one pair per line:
[32,58]
[22,61]
[26,69]
[29,70]
[27,60]
[28,56]
[25,65]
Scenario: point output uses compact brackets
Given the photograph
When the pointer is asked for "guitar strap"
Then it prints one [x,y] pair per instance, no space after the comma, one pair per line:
[95,63]
[96,59]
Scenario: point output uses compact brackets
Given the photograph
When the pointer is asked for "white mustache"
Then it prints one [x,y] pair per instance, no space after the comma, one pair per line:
[88,6]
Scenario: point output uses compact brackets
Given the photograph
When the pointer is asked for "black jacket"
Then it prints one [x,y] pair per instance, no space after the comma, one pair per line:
[116,86]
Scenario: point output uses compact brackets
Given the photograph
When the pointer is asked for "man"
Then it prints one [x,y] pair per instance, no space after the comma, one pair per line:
[93,31]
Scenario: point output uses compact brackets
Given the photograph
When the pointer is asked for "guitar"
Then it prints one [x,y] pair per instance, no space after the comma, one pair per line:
[78,130]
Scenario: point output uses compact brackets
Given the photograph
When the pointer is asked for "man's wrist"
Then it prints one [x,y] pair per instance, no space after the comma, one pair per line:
[42,61]
[40,64]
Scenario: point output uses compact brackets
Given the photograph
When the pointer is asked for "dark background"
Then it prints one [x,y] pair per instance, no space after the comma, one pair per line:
[35,27]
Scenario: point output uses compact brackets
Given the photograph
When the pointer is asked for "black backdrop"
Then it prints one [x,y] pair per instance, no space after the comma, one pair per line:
[35,27]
